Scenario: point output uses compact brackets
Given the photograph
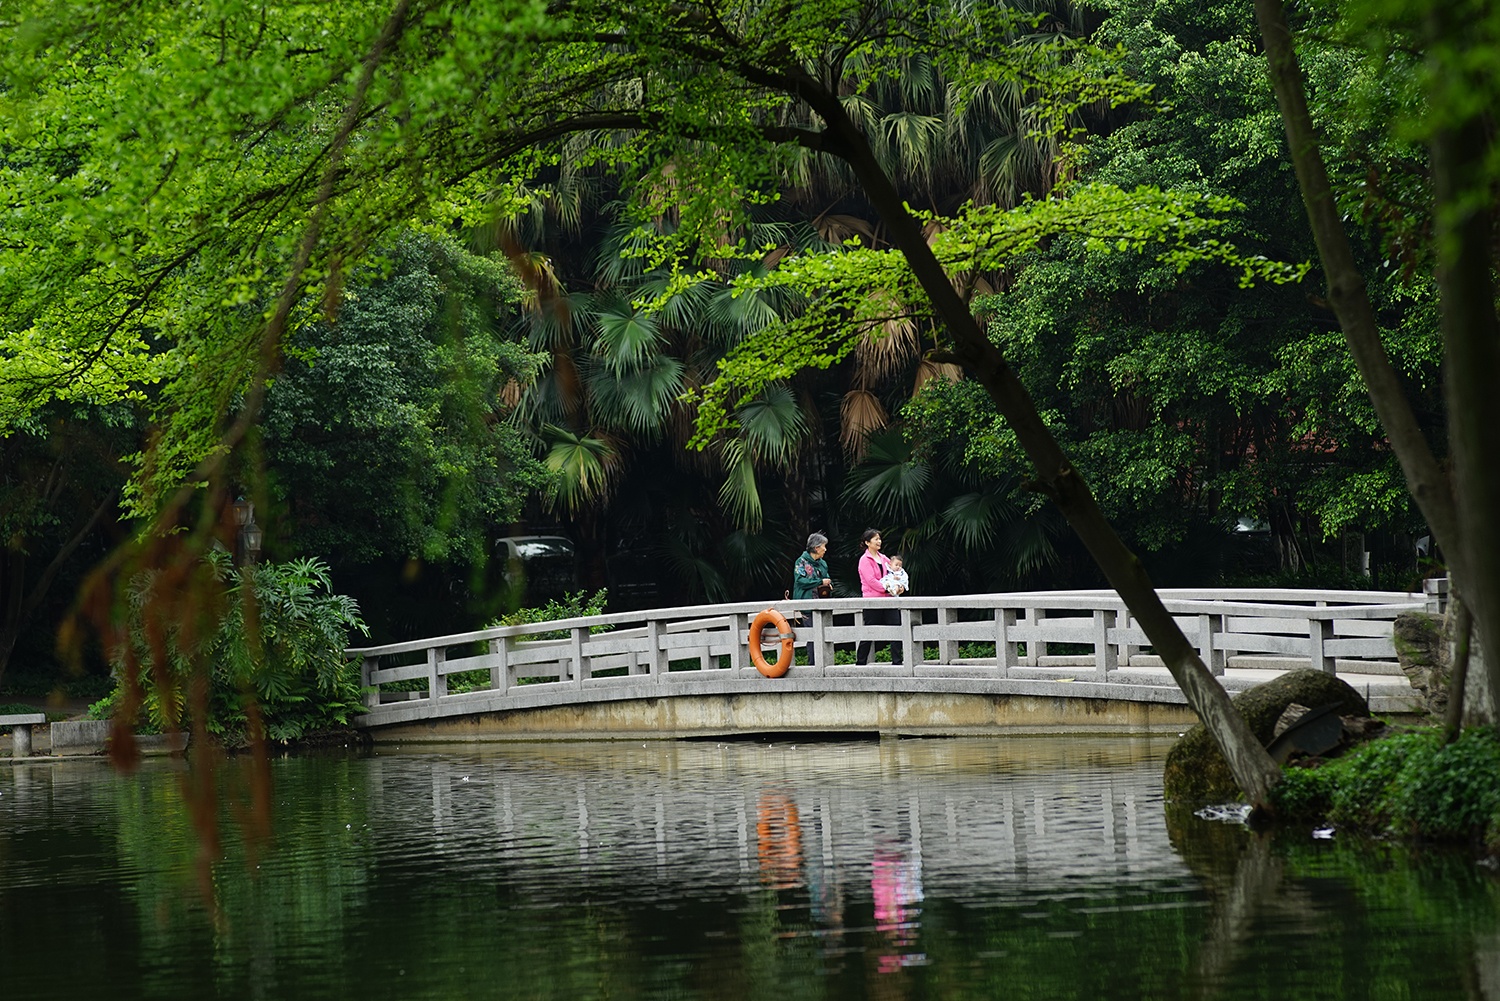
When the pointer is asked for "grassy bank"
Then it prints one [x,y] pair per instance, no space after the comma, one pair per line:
[1409,785]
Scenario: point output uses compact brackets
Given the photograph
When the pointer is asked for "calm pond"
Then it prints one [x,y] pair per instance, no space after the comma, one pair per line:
[1004,868]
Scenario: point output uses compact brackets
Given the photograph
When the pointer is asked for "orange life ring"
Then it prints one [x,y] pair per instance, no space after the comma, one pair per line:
[771,617]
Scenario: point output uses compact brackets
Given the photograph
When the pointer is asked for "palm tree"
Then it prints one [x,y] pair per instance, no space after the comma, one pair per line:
[957,529]
[619,367]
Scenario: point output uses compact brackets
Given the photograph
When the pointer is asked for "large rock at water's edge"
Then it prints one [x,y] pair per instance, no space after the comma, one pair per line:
[1422,648]
[1195,769]
[1425,648]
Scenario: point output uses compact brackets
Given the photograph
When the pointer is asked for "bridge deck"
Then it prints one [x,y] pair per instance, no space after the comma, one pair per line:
[1021,646]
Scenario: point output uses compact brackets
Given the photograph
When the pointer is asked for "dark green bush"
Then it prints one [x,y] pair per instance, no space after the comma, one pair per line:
[1452,792]
[1409,784]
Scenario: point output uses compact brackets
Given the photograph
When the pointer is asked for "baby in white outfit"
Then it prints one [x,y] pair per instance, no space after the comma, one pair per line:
[896,582]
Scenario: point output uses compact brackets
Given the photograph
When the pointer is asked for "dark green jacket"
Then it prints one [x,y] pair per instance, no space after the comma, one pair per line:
[807,574]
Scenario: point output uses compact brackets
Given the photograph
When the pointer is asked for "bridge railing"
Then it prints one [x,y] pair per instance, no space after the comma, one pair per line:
[996,636]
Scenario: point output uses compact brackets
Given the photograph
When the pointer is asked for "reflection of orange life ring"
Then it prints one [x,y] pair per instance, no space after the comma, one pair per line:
[778,836]
[771,617]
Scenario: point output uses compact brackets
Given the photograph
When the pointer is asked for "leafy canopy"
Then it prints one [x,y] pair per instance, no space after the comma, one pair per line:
[186,183]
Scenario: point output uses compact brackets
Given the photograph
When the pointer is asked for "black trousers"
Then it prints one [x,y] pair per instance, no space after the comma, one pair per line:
[879,617]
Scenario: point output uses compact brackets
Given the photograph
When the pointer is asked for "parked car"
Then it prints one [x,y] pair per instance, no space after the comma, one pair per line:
[538,567]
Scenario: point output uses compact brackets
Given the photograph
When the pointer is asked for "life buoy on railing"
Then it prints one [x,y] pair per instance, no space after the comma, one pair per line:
[771,617]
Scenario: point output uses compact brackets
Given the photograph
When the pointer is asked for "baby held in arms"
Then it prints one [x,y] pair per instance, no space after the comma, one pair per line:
[896,583]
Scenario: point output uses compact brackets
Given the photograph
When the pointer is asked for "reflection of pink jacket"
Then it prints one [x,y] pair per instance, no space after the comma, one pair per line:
[871,569]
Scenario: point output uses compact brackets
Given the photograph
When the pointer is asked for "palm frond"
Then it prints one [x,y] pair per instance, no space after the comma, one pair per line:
[888,343]
[835,228]
[639,399]
[583,467]
[739,495]
[975,518]
[860,415]
[691,566]
[890,478]
[773,425]
[626,337]
[684,308]
[917,139]
[740,313]
[929,370]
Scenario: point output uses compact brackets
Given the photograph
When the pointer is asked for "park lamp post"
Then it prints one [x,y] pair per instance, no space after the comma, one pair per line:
[250,535]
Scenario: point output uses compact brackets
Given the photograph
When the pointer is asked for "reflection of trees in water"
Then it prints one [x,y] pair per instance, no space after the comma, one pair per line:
[1370,915]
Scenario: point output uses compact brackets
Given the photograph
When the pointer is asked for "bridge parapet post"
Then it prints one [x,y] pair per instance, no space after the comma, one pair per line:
[1127,649]
[947,646]
[908,643]
[822,649]
[653,648]
[1036,648]
[1209,627]
[500,664]
[437,681]
[739,649]
[576,654]
[1319,632]
[371,696]
[1005,640]
[1106,655]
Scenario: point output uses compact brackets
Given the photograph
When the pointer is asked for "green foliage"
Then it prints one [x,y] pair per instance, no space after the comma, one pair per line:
[185,184]
[387,433]
[1410,784]
[860,288]
[276,651]
[958,529]
[575,605]
[1188,401]
[570,606]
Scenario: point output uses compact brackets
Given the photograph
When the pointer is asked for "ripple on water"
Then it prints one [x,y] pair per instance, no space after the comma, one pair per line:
[664,870]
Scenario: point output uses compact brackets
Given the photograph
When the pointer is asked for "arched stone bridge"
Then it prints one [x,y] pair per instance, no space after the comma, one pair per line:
[995,663]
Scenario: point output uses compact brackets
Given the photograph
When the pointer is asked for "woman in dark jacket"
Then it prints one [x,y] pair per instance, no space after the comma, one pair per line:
[810,574]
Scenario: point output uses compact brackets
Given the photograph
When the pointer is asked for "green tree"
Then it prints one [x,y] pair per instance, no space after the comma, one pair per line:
[1452,118]
[389,435]
[1190,402]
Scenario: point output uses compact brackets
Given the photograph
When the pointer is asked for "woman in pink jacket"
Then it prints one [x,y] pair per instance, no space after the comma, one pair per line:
[872,567]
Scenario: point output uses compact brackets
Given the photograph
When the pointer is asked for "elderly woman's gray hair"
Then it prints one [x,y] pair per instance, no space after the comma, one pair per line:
[815,540]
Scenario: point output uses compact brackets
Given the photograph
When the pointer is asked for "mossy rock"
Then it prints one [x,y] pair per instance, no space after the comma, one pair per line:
[1196,772]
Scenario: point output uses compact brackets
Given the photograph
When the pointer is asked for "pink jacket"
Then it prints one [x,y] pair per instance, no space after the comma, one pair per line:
[871,569]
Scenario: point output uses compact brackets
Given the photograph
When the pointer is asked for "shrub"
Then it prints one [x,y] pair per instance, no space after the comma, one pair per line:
[1452,791]
[1410,783]
[276,646]
[571,606]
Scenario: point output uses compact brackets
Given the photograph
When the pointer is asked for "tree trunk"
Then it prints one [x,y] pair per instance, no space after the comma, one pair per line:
[1458,677]
[1463,198]
[1252,767]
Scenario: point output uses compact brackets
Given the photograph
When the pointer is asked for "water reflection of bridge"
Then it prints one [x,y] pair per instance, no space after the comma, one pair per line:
[968,664]
[888,819]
